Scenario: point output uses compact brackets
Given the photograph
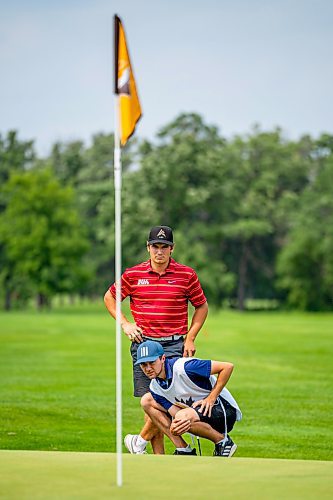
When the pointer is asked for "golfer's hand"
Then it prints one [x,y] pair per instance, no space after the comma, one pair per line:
[132,331]
[180,426]
[189,348]
[205,406]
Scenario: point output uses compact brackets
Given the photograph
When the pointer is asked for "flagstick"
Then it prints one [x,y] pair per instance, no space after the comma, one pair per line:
[117,186]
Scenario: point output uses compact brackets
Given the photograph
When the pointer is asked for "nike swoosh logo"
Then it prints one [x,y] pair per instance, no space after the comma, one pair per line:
[174,281]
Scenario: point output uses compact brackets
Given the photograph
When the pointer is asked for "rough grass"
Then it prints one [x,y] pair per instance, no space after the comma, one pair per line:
[57,372]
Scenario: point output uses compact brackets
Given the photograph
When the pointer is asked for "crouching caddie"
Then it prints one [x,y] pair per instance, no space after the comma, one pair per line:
[185,397]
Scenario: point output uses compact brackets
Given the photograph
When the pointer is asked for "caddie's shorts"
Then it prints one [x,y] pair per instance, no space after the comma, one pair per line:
[172,349]
[217,419]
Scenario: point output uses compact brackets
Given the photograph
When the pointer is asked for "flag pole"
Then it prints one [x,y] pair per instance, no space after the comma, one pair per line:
[127,114]
[117,186]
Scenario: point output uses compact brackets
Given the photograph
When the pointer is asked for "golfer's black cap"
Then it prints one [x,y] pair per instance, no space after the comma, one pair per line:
[161,234]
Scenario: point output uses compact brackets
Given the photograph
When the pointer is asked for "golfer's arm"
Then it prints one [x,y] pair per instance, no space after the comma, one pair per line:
[198,319]
[110,304]
[223,370]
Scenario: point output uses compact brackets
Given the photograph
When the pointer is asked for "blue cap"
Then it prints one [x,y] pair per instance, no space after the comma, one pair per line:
[149,351]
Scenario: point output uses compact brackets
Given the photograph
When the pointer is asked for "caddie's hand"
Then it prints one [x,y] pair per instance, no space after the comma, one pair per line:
[205,405]
[179,426]
[189,348]
[132,331]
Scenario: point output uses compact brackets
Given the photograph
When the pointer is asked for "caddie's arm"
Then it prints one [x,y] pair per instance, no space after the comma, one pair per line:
[198,319]
[223,370]
[131,330]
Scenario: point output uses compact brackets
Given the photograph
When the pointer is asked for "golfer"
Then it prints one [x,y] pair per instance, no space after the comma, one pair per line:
[186,390]
[159,290]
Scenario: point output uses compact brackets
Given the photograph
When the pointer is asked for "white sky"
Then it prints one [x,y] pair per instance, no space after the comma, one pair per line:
[235,62]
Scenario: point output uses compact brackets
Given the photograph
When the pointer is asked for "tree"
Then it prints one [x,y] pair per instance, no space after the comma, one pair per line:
[15,156]
[90,171]
[95,198]
[237,207]
[180,185]
[230,201]
[67,161]
[262,180]
[41,235]
[305,264]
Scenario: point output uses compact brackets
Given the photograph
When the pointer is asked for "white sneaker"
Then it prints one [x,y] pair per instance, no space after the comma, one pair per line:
[130,443]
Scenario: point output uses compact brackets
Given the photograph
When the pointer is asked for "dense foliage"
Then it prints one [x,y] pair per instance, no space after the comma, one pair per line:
[252,214]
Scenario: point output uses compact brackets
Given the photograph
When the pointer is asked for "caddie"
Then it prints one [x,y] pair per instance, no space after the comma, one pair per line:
[185,396]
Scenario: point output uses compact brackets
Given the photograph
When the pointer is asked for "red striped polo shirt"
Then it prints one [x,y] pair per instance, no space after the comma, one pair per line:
[159,303]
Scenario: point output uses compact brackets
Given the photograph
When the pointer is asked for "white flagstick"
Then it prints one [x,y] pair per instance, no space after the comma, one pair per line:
[117,187]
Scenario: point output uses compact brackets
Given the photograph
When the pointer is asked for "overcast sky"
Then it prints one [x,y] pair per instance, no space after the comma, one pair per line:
[235,62]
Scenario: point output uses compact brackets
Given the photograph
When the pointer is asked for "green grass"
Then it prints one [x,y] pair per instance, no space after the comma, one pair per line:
[57,372]
[28,475]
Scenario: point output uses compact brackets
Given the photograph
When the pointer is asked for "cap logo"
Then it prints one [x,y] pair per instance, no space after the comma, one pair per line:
[161,234]
[143,351]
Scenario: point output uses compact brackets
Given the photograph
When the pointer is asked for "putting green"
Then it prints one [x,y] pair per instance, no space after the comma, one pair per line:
[65,475]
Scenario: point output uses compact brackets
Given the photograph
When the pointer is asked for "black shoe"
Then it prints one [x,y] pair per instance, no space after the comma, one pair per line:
[192,452]
[226,449]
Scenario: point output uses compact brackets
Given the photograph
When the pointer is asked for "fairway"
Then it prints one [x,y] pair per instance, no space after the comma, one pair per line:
[51,475]
[57,372]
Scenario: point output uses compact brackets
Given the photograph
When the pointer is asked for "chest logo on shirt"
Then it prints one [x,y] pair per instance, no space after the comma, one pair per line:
[143,282]
[184,403]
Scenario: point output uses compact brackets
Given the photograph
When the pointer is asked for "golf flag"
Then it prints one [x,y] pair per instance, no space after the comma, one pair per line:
[125,88]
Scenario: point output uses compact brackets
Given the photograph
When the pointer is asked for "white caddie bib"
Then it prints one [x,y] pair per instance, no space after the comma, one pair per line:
[183,392]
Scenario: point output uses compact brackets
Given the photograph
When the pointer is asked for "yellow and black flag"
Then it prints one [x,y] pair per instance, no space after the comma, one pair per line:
[129,104]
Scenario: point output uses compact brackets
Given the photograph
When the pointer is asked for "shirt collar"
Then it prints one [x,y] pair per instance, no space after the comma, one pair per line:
[168,369]
[168,374]
[169,269]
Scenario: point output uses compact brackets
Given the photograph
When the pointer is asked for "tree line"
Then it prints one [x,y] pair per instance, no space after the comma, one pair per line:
[252,214]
